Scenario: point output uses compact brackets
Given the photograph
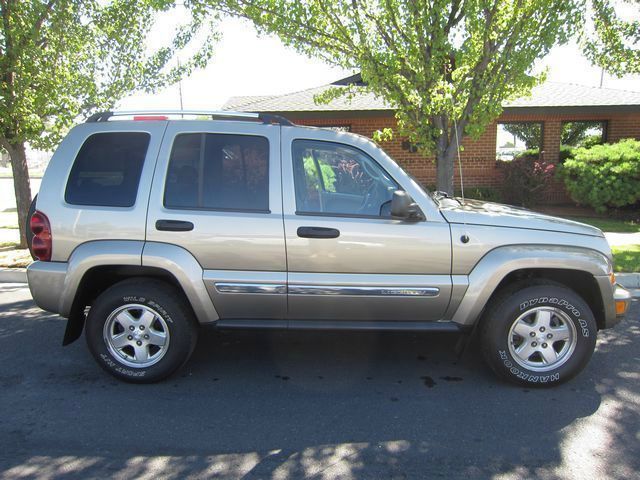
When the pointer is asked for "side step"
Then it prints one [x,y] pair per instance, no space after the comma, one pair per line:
[363,325]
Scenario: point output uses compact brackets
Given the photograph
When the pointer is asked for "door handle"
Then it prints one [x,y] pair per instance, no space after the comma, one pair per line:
[318,232]
[174,225]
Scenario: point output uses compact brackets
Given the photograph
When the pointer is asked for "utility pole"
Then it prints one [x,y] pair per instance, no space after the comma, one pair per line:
[601,77]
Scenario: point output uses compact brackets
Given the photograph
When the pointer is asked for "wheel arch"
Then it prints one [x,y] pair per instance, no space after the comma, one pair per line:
[95,266]
[580,269]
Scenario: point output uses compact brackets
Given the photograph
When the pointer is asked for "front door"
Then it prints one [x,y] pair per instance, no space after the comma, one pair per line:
[347,258]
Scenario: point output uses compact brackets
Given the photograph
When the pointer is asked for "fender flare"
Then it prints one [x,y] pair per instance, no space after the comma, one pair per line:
[500,262]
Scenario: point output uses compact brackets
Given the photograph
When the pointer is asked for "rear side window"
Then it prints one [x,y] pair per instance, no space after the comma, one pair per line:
[107,170]
[211,171]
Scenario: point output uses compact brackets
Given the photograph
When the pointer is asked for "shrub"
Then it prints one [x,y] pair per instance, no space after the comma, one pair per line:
[525,179]
[591,141]
[604,176]
[531,153]
[487,194]
[566,151]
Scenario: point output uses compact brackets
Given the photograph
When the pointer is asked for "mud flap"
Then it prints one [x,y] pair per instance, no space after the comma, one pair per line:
[75,325]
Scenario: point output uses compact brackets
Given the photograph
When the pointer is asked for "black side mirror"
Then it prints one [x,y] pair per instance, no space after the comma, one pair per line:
[403,207]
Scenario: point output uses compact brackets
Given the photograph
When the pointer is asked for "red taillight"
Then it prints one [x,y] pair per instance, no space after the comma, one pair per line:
[41,242]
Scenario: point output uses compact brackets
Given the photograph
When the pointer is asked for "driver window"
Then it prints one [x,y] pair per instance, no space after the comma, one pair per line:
[337,179]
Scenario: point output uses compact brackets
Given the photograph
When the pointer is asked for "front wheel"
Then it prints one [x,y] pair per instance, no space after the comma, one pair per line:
[538,336]
[140,330]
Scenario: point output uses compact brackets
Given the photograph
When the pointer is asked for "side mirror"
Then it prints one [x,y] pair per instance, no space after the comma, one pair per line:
[403,207]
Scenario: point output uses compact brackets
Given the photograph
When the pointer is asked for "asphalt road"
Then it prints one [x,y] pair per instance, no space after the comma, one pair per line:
[309,405]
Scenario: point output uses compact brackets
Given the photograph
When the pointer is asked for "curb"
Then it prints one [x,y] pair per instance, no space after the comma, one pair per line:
[13,275]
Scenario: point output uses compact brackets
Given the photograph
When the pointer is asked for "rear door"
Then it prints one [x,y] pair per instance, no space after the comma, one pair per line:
[217,194]
[347,258]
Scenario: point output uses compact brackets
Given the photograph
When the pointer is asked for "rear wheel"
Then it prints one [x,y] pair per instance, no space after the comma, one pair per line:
[538,336]
[141,330]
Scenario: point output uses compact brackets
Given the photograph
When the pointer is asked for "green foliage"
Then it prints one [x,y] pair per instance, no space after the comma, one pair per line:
[528,132]
[62,59]
[566,151]
[574,133]
[486,194]
[591,140]
[531,154]
[525,179]
[604,176]
[313,181]
[615,43]
[445,65]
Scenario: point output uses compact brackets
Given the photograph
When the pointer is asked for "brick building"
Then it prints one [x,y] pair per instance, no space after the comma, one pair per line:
[613,114]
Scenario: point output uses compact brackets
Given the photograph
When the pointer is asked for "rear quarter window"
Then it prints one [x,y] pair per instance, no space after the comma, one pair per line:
[106,171]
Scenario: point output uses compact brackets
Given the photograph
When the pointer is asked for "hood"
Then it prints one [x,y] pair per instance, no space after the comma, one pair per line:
[476,212]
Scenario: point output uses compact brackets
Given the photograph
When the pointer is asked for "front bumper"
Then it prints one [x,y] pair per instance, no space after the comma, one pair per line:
[622,299]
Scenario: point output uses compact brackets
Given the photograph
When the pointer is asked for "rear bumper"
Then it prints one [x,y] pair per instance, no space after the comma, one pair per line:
[47,282]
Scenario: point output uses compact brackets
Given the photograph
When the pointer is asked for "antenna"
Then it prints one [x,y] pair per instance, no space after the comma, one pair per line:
[465,236]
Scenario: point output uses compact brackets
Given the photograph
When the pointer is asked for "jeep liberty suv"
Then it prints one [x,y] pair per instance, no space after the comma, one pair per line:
[148,225]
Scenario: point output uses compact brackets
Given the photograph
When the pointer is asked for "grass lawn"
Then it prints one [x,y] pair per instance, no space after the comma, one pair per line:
[626,258]
[609,224]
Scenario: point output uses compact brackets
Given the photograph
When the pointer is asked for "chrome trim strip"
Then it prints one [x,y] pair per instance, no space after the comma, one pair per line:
[368,291]
[265,288]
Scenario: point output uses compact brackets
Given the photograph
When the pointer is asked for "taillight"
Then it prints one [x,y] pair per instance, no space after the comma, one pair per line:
[41,242]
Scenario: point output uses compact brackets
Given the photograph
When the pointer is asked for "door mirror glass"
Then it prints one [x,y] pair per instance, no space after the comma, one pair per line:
[403,207]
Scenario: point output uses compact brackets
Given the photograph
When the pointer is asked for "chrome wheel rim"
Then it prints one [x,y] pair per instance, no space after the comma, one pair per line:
[542,339]
[136,335]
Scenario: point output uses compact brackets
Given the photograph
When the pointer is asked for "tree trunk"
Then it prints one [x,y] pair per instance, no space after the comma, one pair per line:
[444,169]
[21,187]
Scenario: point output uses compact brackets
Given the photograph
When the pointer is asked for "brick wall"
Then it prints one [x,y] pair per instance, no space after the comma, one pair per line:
[478,157]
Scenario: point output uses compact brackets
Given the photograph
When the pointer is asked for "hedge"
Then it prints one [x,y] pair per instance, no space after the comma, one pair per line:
[604,176]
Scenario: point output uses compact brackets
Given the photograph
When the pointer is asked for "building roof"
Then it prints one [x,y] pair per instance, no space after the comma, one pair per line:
[547,95]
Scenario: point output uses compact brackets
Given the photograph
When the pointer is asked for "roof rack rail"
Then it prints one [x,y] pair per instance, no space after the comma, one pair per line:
[214,114]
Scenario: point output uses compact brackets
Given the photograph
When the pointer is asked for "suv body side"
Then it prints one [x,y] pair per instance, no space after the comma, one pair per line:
[237,265]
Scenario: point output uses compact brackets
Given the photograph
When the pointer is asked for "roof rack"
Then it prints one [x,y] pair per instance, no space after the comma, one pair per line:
[214,114]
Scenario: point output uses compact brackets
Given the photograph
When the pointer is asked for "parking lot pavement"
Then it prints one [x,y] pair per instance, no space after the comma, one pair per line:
[309,405]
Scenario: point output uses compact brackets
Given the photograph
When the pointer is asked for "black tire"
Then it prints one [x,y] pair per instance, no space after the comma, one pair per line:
[172,317]
[29,233]
[526,309]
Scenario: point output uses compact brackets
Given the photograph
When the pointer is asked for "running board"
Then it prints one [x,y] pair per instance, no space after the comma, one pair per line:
[404,326]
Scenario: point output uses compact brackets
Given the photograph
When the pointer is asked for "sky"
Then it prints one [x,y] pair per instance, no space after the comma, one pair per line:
[246,64]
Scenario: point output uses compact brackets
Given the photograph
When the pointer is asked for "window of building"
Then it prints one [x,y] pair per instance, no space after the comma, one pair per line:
[333,178]
[106,171]
[583,133]
[218,172]
[516,139]
[336,128]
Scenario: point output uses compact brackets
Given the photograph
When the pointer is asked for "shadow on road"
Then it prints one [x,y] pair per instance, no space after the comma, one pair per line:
[303,405]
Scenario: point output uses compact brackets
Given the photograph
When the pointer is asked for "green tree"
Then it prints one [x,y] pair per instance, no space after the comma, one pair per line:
[445,65]
[528,132]
[62,59]
[615,42]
